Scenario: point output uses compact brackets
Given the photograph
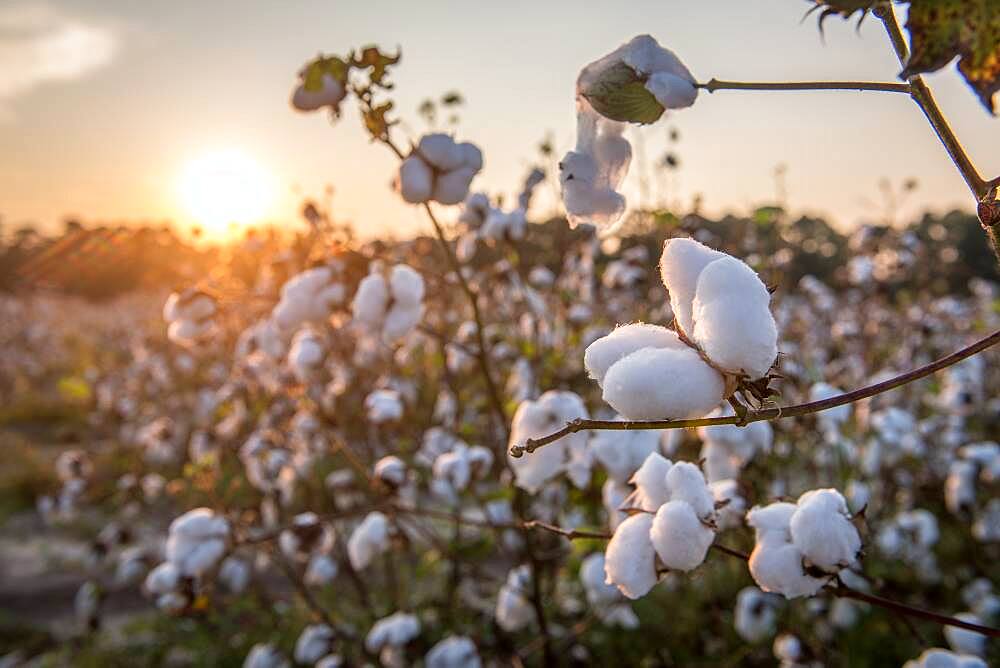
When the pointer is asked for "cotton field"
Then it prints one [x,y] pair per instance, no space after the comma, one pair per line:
[614,435]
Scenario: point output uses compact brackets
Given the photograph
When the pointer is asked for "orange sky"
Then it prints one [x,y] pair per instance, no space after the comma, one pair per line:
[105,104]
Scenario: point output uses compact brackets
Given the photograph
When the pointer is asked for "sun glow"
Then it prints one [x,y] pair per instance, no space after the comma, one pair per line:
[226,187]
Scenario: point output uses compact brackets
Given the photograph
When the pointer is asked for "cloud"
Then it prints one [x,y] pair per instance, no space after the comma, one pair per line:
[40,44]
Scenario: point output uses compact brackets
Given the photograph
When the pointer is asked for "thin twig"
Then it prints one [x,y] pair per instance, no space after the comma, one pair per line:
[888,87]
[574,426]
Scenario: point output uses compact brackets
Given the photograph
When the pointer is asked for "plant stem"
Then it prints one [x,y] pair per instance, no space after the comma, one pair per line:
[922,95]
[574,426]
[713,85]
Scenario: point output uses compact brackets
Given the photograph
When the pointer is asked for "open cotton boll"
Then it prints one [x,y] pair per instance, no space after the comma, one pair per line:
[407,285]
[234,574]
[452,187]
[755,615]
[678,535]
[732,505]
[263,655]
[369,540]
[821,529]
[964,641]
[613,497]
[416,180]
[650,480]
[514,611]
[441,151]
[732,318]
[591,174]
[321,570]
[400,321]
[672,91]
[778,568]
[687,483]
[599,592]
[391,470]
[681,263]
[330,94]
[453,652]
[197,541]
[942,658]
[163,579]
[315,642]
[629,560]
[534,419]
[663,383]
[384,406]
[306,354]
[371,299]
[623,341]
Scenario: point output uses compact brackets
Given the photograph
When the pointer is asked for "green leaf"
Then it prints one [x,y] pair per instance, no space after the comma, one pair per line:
[620,94]
[332,65]
[940,30]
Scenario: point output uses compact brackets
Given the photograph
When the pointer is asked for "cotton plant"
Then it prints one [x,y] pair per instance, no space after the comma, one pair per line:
[190,317]
[725,334]
[638,76]
[799,547]
[310,297]
[672,529]
[389,302]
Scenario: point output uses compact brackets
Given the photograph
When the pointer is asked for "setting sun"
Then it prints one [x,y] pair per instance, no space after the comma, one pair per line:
[225,187]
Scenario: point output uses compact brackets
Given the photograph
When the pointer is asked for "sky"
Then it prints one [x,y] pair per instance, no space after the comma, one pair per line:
[107,107]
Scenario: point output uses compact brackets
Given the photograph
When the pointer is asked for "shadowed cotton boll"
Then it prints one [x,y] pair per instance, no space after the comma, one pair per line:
[368,540]
[822,530]
[389,304]
[265,656]
[942,658]
[533,419]
[306,355]
[650,482]
[604,599]
[197,541]
[384,406]
[439,169]
[453,652]
[514,611]
[234,573]
[629,561]
[679,537]
[189,317]
[315,642]
[308,297]
[755,615]
[329,93]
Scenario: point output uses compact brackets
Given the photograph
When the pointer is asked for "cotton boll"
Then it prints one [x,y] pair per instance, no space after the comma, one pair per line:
[755,615]
[678,535]
[315,642]
[416,180]
[821,529]
[623,341]
[681,264]
[234,573]
[733,506]
[452,187]
[650,480]
[964,641]
[441,151]
[613,496]
[369,540]
[732,318]
[630,557]
[778,568]
[514,611]
[330,94]
[384,406]
[942,658]
[321,570]
[265,656]
[453,652]
[197,540]
[163,579]
[663,383]
[960,486]
[391,470]
[623,452]
[686,483]
[599,592]
[772,522]
[400,321]
[534,419]
[672,91]
[407,285]
[371,299]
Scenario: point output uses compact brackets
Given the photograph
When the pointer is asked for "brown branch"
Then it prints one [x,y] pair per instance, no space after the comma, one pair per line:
[888,87]
[797,410]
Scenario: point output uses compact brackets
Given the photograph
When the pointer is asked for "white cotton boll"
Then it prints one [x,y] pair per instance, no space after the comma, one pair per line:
[234,574]
[687,483]
[391,470]
[599,592]
[681,264]
[472,157]
[788,649]
[330,94]
[663,383]
[265,656]
[964,641]
[732,504]
[755,615]
[821,529]
[650,480]
[407,285]
[672,91]
[400,321]
[778,568]
[330,661]
[453,187]
[415,181]
[986,528]
[534,419]
[732,318]
[623,341]
[163,579]
[960,486]
[369,540]
[453,652]
[187,332]
[772,522]
[384,406]
[453,469]
[315,642]
[623,452]
[197,540]
[306,355]
[514,611]
[942,658]
[322,570]
[630,557]
[441,151]
[678,535]
[371,300]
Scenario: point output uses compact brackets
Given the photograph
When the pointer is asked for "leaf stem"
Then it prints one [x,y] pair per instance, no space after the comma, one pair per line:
[713,85]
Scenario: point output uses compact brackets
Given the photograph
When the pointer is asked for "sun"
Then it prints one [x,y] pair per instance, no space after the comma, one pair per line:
[225,187]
